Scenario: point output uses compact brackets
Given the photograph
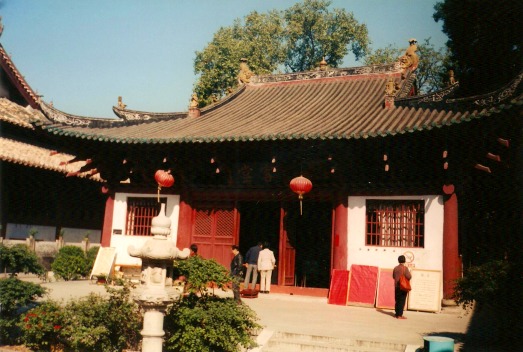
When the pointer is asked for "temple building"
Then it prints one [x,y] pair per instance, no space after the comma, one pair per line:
[392,172]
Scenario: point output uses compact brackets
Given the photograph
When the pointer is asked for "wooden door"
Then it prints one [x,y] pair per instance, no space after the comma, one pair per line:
[287,255]
[214,230]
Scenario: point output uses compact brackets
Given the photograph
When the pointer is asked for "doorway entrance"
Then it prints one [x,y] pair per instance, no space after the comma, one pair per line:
[310,233]
[301,243]
[260,222]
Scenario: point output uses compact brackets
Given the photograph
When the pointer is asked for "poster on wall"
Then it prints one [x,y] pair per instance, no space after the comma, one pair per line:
[426,290]
[362,285]
[385,295]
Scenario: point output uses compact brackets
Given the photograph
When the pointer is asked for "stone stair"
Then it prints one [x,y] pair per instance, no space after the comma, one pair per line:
[291,342]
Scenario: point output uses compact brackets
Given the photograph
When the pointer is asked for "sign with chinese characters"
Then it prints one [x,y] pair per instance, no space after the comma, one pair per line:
[426,290]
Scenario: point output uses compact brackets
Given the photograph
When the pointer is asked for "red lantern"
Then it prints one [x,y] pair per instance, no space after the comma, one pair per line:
[301,185]
[164,179]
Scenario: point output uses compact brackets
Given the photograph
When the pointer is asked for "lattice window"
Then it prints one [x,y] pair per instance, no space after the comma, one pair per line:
[395,223]
[140,212]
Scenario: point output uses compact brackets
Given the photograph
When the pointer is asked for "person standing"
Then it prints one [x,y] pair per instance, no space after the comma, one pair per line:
[400,296]
[236,272]
[251,262]
[194,250]
[266,263]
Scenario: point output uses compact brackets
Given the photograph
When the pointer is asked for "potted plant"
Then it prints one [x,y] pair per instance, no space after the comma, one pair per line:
[101,279]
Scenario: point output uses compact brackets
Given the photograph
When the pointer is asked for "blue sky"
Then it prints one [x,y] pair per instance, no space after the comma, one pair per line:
[82,55]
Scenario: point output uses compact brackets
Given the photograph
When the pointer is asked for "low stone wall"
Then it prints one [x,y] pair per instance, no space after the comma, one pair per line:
[47,250]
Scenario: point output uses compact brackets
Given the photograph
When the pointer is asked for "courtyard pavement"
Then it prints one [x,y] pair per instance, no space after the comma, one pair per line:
[314,316]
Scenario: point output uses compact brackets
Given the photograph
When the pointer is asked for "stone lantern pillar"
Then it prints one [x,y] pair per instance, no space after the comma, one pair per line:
[156,291]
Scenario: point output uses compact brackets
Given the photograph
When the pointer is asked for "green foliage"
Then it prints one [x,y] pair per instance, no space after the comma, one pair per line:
[91,257]
[313,33]
[209,323]
[486,41]
[41,326]
[95,323]
[14,295]
[258,38]
[432,71]
[482,284]
[70,263]
[382,56]
[200,273]
[296,39]
[89,324]
[19,259]
[202,321]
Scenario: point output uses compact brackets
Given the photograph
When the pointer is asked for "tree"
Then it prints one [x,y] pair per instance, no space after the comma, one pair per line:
[292,40]
[314,33]
[486,41]
[259,38]
[432,71]
[382,56]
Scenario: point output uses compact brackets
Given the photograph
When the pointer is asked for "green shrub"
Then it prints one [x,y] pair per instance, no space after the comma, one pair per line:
[91,257]
[14,295]
[70,263]
[41,326]
[201,273]
[89,324]
[482,284]
[95,323]
[19,259]
[202,321]
[209,323]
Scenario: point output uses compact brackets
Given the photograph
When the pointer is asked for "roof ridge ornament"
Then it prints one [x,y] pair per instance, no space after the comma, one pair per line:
[390,92]
[121,105]
[194,111]
[245,74]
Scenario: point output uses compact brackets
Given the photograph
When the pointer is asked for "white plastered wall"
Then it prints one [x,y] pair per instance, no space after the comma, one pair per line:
[121,241]
[428,258]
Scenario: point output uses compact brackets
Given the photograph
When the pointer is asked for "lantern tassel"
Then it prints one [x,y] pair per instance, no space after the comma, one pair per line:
[159,189]
[300,197]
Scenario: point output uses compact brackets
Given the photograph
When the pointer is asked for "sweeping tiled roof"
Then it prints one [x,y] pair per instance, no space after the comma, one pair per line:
[17,115]
[17,79]
[31,155]
[342,105]
[36,157]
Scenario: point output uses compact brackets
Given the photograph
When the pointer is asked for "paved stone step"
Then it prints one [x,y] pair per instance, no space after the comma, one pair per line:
[291,342]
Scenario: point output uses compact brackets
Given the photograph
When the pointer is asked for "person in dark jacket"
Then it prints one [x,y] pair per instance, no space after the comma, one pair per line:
[236,272]
[251,262]
[399,295]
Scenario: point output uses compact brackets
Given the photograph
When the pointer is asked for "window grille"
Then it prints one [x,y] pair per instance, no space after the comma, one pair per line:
[395,223]
[140,212]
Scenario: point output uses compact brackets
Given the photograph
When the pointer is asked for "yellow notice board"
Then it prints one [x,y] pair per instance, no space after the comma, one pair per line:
[426,290]
[103,265]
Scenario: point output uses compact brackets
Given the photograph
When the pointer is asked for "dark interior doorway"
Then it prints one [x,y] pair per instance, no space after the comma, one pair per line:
[260,222]
[310,234]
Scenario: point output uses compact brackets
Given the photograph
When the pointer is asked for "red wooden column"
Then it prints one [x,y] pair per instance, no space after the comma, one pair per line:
[451,259]
[108,221]
[183,239]
[339,240]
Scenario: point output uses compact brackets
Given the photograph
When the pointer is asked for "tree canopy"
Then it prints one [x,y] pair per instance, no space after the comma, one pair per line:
[296,39]
[486,40]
